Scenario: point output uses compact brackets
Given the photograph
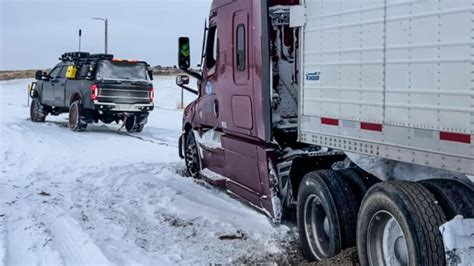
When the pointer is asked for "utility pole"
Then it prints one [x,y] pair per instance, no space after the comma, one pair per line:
[106,38]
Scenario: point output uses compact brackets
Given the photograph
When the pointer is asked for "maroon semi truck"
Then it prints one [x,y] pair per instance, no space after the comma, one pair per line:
[337,109]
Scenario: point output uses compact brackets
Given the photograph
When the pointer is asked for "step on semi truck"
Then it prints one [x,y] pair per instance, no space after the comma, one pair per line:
[358,114]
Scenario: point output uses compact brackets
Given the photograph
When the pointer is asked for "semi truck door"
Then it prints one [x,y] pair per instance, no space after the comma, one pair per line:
[244,119]
[207,104]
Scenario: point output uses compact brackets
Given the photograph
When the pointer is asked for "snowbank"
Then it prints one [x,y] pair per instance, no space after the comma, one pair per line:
[458,238]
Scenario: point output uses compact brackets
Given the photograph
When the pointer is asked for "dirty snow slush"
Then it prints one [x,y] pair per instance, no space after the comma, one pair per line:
[99,197]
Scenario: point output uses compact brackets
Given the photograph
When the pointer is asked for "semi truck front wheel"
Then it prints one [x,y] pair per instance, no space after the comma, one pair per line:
[398,224]
[191,155]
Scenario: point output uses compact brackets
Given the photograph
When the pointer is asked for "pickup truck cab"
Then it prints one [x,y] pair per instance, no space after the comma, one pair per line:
[93,88]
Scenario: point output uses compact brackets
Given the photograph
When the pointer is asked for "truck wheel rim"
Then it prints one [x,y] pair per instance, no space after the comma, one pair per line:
[386,242]
[317,227]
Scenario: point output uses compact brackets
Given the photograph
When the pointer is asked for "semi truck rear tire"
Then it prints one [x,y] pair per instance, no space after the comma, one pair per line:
[75,121]
[454,197]
[326,214]
[37,112]
[398,224]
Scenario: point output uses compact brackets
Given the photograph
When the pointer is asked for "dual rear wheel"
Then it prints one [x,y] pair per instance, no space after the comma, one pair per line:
[392,223]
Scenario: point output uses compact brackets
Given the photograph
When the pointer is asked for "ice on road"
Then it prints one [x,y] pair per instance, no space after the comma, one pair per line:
[103,197]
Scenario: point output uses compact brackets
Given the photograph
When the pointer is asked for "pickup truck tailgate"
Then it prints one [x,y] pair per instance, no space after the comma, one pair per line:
[124,93]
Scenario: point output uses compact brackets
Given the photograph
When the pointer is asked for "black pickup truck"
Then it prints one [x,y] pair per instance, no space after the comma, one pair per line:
[93,88]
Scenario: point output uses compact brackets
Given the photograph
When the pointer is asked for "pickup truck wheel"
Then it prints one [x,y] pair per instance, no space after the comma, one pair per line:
[37,112]
[454,197]
[191,155]
[399,225]
[327,214]
[132,125]
[75,122]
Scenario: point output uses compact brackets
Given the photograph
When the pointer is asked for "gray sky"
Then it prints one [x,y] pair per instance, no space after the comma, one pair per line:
[34,33]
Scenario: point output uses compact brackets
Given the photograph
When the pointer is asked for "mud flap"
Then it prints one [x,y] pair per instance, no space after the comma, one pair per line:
[180,146]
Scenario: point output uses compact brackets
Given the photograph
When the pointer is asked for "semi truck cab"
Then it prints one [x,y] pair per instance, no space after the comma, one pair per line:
[292,113]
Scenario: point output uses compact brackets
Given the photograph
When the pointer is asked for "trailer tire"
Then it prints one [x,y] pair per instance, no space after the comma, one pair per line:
[326,215]
[75,117]
[407,214]
[191,155]
[37,112]
[454,197]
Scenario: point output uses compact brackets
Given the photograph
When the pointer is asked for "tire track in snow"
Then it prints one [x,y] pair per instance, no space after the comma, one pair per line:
[75,246]
[3,239]
[22,243]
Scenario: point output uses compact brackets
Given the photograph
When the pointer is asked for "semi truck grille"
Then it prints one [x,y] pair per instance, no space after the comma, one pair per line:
[129,96]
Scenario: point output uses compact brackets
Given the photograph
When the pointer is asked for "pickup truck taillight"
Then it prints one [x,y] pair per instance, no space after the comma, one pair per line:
[94,92]
[152,94]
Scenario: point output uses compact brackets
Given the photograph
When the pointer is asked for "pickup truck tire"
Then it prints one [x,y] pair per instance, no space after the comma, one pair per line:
[37,112]
[399,224]
[132,125]
[191,155]
[75,122]
[326,215]
[454,197]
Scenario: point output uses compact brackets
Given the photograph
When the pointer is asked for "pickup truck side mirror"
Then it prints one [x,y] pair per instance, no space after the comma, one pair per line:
[39,75]
[45,76]
[150,74]
[184,53]
[182,80]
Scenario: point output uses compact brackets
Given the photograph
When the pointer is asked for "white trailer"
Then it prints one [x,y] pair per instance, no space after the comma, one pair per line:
[393,80]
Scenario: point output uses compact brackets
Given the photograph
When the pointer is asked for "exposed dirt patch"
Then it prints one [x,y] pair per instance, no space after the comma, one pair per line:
[17,74]
[238,236]
[347,257]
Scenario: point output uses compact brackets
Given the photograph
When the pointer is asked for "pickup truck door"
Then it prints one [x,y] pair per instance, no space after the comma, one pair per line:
[48,96]
[60,88]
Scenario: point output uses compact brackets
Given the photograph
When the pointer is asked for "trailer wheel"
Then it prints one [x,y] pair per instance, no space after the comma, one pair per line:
[37,112]
[191,155]
[75,122]
[399,225]
[454,197]
[327,213]
[132,125]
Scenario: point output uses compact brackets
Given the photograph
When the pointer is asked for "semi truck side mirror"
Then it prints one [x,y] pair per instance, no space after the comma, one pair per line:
[39,75]
[182,80]
[184,53]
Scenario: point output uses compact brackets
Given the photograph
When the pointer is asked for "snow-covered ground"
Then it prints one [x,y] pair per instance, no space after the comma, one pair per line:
[104,197]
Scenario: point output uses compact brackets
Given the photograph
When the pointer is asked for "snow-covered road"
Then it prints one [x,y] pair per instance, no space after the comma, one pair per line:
[103,197]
